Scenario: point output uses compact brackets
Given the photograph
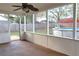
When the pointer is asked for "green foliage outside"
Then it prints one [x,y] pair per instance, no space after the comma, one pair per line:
[15,33]
[16,19]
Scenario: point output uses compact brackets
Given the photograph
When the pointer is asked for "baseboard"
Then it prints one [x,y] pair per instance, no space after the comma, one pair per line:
[4,43]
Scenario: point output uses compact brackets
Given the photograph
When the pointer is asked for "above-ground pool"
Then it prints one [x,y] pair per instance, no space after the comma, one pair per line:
[69,29]
[65,32]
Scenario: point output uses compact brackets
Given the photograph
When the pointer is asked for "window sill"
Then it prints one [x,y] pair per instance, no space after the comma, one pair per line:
[52,36]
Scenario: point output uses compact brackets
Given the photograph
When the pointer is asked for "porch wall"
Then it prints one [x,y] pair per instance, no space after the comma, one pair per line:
[63,45]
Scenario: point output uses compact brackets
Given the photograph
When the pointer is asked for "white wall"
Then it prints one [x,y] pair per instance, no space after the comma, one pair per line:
[4,38]
[4,32]
[63,45]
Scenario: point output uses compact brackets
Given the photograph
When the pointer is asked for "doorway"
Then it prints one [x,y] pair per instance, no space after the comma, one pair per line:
[14,27]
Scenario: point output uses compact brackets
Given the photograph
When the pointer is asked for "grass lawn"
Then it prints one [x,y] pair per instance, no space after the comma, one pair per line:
[15,36]
[15,33]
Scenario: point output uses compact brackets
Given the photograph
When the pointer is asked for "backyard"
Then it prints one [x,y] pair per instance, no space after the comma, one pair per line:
[15,36]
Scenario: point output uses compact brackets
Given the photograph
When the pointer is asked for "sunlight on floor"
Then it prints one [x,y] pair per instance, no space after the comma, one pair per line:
[14,37]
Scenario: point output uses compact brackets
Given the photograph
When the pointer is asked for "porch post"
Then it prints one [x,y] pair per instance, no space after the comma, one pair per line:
[33,23]
[20,29]
[75,20]
[24,23]
[24,36]
[47,22]
[9,22]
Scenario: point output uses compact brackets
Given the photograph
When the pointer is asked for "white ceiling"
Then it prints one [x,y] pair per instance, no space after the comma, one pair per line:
[7,7]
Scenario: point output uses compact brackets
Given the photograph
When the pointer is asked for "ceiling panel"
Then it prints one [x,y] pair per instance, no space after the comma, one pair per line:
[7,7]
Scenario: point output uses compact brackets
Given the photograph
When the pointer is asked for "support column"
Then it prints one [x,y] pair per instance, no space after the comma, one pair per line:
[24,35]
[47,22]
[20,27]
[9,22]
[25,23]
[75,20]
[33,23]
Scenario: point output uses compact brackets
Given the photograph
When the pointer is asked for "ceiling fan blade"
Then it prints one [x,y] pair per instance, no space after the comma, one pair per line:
[36,9]
[16,6]
[24,5]
[33,8]
[17,9]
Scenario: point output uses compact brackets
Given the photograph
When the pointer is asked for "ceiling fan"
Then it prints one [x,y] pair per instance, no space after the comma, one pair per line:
[25,7]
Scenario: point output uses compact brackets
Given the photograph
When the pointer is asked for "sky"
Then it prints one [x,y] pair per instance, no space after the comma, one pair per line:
[3,19]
